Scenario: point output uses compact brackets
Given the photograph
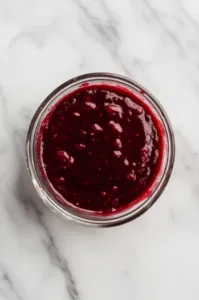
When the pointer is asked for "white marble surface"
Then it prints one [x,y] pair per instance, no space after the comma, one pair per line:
[42,44]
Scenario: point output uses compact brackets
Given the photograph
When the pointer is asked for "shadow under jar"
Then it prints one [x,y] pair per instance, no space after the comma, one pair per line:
[100,150]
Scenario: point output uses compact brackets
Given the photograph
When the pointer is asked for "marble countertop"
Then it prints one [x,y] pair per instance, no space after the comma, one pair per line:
[46,42]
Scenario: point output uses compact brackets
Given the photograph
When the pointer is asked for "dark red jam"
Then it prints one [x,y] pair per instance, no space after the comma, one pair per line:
[101,148]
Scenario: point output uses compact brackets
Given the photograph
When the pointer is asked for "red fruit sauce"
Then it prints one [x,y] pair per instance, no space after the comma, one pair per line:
[101,148]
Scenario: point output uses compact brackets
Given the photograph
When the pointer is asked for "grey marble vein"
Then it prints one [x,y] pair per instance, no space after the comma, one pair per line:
[7,287]
[105,31]
[158,18]
[24,197]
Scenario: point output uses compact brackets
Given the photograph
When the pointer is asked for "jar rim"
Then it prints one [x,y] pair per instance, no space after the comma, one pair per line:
[93,220]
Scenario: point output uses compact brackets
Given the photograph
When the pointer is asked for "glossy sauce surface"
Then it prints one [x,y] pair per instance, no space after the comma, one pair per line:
[101,148]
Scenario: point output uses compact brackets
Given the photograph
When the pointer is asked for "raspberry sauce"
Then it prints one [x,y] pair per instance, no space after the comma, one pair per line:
[101,148]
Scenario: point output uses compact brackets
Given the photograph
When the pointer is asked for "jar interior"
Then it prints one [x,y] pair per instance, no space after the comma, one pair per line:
[52,197]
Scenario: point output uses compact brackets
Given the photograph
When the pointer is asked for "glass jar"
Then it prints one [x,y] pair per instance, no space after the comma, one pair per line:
[75,213]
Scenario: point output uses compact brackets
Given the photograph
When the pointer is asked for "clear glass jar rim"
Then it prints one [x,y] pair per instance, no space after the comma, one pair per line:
[115,219]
